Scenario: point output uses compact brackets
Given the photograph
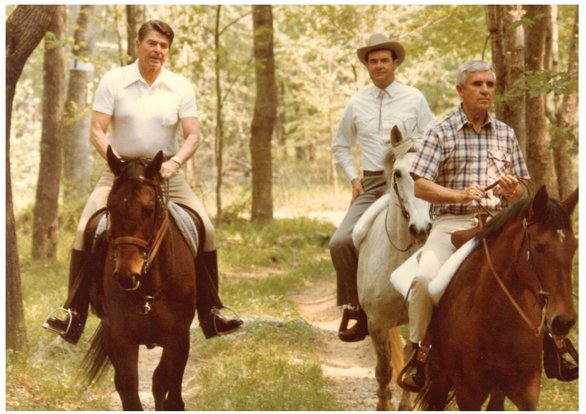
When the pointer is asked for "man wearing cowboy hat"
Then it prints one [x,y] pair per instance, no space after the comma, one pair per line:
[367,120]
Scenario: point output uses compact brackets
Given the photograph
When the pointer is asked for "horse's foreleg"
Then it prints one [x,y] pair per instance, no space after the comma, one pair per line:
[497,401]
[124,357]
[525,394]
[379,337]
[168,376]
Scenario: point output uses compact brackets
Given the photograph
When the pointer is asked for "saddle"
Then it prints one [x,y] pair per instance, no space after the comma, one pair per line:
[460,237]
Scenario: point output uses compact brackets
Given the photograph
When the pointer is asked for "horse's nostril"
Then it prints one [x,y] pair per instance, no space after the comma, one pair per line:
[561,326]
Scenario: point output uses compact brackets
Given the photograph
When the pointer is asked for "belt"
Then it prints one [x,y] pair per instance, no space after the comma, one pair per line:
[372,173]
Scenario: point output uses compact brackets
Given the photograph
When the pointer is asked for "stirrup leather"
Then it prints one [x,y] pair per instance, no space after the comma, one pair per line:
[52,315]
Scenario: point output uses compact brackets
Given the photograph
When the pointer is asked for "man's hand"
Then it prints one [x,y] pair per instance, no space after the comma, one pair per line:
[472,193]
[169,169]
[356,189]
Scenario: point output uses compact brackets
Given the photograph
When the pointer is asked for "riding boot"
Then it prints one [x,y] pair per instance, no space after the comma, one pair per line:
[212,322]
[555,364]
[413,376]
[359,330]
[75,310]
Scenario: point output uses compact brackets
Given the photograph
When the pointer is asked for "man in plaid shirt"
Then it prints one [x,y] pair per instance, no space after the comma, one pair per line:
[460,157]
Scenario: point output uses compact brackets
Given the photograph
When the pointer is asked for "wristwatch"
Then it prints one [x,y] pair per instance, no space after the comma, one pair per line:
[176,160]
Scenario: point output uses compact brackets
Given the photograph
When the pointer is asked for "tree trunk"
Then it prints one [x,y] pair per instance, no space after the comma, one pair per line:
[508,59]
[219,144]
[135,17]
[539,154]
[265,114]
[45,217]
[25,27]
[565,136]
[76,148]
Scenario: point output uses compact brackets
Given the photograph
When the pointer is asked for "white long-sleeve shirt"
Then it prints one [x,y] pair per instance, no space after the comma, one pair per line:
[364,122]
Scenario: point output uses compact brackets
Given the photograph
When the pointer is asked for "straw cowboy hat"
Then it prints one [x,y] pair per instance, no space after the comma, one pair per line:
[380,41]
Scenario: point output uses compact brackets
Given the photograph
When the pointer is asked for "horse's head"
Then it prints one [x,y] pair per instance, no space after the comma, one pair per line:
[552,244]
[136,211]
[398,162]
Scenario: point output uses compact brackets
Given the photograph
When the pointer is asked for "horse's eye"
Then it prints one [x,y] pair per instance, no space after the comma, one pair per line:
[398,174]
[540,248]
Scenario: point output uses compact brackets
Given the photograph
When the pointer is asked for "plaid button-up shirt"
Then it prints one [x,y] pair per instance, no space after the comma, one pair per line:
[453,155]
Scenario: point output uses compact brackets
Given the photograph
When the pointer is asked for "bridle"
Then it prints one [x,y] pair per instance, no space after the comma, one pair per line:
[149,247]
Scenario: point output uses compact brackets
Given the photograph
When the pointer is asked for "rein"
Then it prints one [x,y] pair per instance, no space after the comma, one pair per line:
[540,293]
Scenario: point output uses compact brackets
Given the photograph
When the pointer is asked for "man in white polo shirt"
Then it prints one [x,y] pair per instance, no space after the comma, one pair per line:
[367,120]
[138,110]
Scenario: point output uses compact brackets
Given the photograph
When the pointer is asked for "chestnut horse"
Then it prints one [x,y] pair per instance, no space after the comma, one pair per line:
[489,325]
[148,287]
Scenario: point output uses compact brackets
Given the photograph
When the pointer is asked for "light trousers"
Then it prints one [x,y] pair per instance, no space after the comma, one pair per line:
[178,190]
[436,251]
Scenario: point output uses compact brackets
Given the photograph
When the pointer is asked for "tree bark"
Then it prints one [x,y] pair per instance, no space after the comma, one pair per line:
[76,148]
[45,217]
[265,114]
[219,144]
[508,59]
[25,27]
[135,17]
[539,155]
[565,136]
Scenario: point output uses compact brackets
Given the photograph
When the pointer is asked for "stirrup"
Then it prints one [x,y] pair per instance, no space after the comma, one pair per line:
[216,311]
[52,315]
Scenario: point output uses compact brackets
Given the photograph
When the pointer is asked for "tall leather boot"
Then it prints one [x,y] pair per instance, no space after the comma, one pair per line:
[69,321]
[212,322]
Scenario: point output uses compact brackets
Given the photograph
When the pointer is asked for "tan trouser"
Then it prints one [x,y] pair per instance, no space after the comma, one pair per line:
[436,251]
[178,191]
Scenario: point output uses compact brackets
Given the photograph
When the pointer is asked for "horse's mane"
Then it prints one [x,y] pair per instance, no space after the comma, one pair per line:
[553,215]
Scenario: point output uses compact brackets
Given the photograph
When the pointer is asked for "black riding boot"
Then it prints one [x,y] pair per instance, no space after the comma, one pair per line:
[208,300]
[413,376]
[70,320]
[358,331]
[555,364]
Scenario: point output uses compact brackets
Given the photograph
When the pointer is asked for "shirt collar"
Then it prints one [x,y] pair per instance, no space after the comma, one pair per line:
[390,90]
[133,75]
[462,119]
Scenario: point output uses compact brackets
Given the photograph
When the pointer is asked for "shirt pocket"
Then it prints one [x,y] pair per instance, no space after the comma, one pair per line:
[499,164]
[169,119]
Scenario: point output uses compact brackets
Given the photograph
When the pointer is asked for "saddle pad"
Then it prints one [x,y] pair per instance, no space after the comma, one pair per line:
[185,225]
[363,224]
[403,276]
[181,217]
[438,284]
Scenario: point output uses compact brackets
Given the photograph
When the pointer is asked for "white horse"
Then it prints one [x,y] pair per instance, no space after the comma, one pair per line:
[385,236]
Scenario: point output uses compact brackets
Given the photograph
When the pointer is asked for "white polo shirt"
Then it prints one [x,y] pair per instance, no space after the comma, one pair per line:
[145,119]
[368,121]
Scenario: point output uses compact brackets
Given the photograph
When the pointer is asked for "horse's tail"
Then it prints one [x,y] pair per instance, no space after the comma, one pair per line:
[96,362]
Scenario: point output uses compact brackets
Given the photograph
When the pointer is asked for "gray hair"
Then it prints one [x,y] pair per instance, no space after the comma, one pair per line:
[470,67]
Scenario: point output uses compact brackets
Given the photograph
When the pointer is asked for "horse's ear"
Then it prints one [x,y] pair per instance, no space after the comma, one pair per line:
[396,136]
[114,162]
[539,205]
[154,166]
[569,204]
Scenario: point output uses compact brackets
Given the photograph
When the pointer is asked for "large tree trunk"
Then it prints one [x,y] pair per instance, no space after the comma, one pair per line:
[265,114]
[25,27]
[539,154]
[508,59]
[76,148]
[135,17]
[45,217]
[565,136]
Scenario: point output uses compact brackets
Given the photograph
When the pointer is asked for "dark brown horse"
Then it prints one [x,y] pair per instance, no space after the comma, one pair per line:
[148,287]
[488,328]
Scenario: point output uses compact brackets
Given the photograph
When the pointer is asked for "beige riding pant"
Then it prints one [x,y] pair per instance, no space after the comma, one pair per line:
[177,190]
[436,251]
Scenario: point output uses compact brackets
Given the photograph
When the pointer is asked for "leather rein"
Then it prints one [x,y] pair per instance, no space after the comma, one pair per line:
[540,293]
[150,247]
